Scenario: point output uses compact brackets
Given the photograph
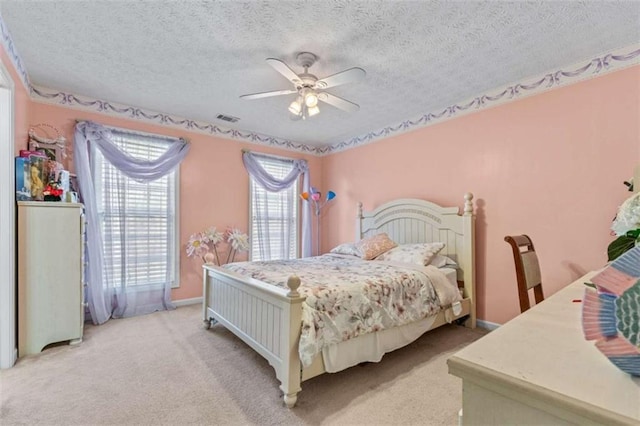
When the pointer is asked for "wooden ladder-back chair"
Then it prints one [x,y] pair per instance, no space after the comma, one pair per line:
[527,269]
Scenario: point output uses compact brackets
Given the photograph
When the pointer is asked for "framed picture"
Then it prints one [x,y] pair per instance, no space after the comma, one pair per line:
[54,149]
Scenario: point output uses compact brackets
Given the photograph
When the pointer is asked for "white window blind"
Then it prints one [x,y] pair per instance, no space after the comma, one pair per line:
[274,215]
[137,220]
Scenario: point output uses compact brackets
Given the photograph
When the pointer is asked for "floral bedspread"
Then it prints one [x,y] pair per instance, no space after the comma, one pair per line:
[347,296]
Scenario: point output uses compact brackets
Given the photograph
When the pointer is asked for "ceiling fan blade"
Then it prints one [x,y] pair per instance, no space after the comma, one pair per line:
[346,76]
[267,94]
[338,102]
[284,69]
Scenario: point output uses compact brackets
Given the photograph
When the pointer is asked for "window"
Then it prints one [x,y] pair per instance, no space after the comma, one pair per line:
[274,215]
[137,220]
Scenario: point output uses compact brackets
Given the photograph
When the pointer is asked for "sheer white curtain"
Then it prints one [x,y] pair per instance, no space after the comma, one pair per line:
[138,225]
[126,277]
[274,181]
[274,215]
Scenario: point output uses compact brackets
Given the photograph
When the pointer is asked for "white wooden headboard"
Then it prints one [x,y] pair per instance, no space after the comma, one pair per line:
[410,220]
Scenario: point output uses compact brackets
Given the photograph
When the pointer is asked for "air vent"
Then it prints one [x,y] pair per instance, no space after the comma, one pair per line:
[228,118]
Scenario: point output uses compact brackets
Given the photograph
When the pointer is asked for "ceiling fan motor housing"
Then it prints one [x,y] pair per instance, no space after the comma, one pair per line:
[306,60]
[308,80]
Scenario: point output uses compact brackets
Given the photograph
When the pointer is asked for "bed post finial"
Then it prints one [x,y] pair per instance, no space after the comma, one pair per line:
[293,283]
[468,203]
[360,209]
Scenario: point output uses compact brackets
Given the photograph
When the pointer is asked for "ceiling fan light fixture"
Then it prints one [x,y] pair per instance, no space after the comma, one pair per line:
[313,111]
[311,99]
[295,108]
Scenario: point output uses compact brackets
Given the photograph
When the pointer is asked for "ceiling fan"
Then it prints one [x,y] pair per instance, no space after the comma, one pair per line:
[309,88]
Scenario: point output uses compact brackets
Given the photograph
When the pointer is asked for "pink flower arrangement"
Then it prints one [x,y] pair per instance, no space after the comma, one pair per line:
[205,244]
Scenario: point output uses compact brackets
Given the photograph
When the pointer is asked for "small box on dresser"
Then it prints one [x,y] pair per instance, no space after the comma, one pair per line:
[50,274]
[23,179]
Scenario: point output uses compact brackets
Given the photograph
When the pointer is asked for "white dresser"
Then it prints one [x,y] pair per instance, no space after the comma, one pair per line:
[50,274]
[538,369]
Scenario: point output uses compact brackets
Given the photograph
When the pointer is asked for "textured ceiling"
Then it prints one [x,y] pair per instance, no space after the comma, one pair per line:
[194,59]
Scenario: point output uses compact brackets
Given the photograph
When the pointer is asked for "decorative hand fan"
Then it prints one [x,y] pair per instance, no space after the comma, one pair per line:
[611,315]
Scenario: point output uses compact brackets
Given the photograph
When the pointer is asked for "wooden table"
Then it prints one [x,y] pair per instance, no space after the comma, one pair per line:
[538,369]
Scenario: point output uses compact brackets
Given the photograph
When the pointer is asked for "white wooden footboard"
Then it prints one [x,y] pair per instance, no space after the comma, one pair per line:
[265,317]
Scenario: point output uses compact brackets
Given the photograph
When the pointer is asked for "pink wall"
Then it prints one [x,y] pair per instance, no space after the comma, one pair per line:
[551,166]
[214,186]
[21,101]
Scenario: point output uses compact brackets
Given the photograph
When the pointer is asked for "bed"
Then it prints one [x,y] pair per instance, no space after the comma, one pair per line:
[269,318]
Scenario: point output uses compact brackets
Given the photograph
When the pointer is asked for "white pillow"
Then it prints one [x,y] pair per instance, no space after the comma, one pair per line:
[440,261]
[418,254]
[347,248]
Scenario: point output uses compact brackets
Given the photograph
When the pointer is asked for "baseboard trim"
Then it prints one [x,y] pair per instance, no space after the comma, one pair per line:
[186,302]
[487,325]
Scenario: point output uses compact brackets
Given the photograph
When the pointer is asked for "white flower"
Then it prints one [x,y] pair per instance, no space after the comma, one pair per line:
[628,217]
[238,239]
[197,245]
[213,236]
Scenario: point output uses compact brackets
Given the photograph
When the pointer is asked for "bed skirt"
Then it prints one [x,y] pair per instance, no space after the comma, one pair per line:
[371,347]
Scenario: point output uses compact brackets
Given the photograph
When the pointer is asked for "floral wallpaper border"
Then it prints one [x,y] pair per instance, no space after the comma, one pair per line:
[606,63]
[97,105]
[597,66]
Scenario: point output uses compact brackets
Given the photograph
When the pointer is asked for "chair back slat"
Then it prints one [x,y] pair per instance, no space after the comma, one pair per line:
[531,269]
[527,269]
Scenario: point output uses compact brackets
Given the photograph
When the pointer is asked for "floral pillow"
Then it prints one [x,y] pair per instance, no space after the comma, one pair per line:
[348,249]
[418,254]
[374,246]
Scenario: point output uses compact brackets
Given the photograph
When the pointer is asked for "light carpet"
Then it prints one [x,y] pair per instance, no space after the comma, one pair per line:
[165,368]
